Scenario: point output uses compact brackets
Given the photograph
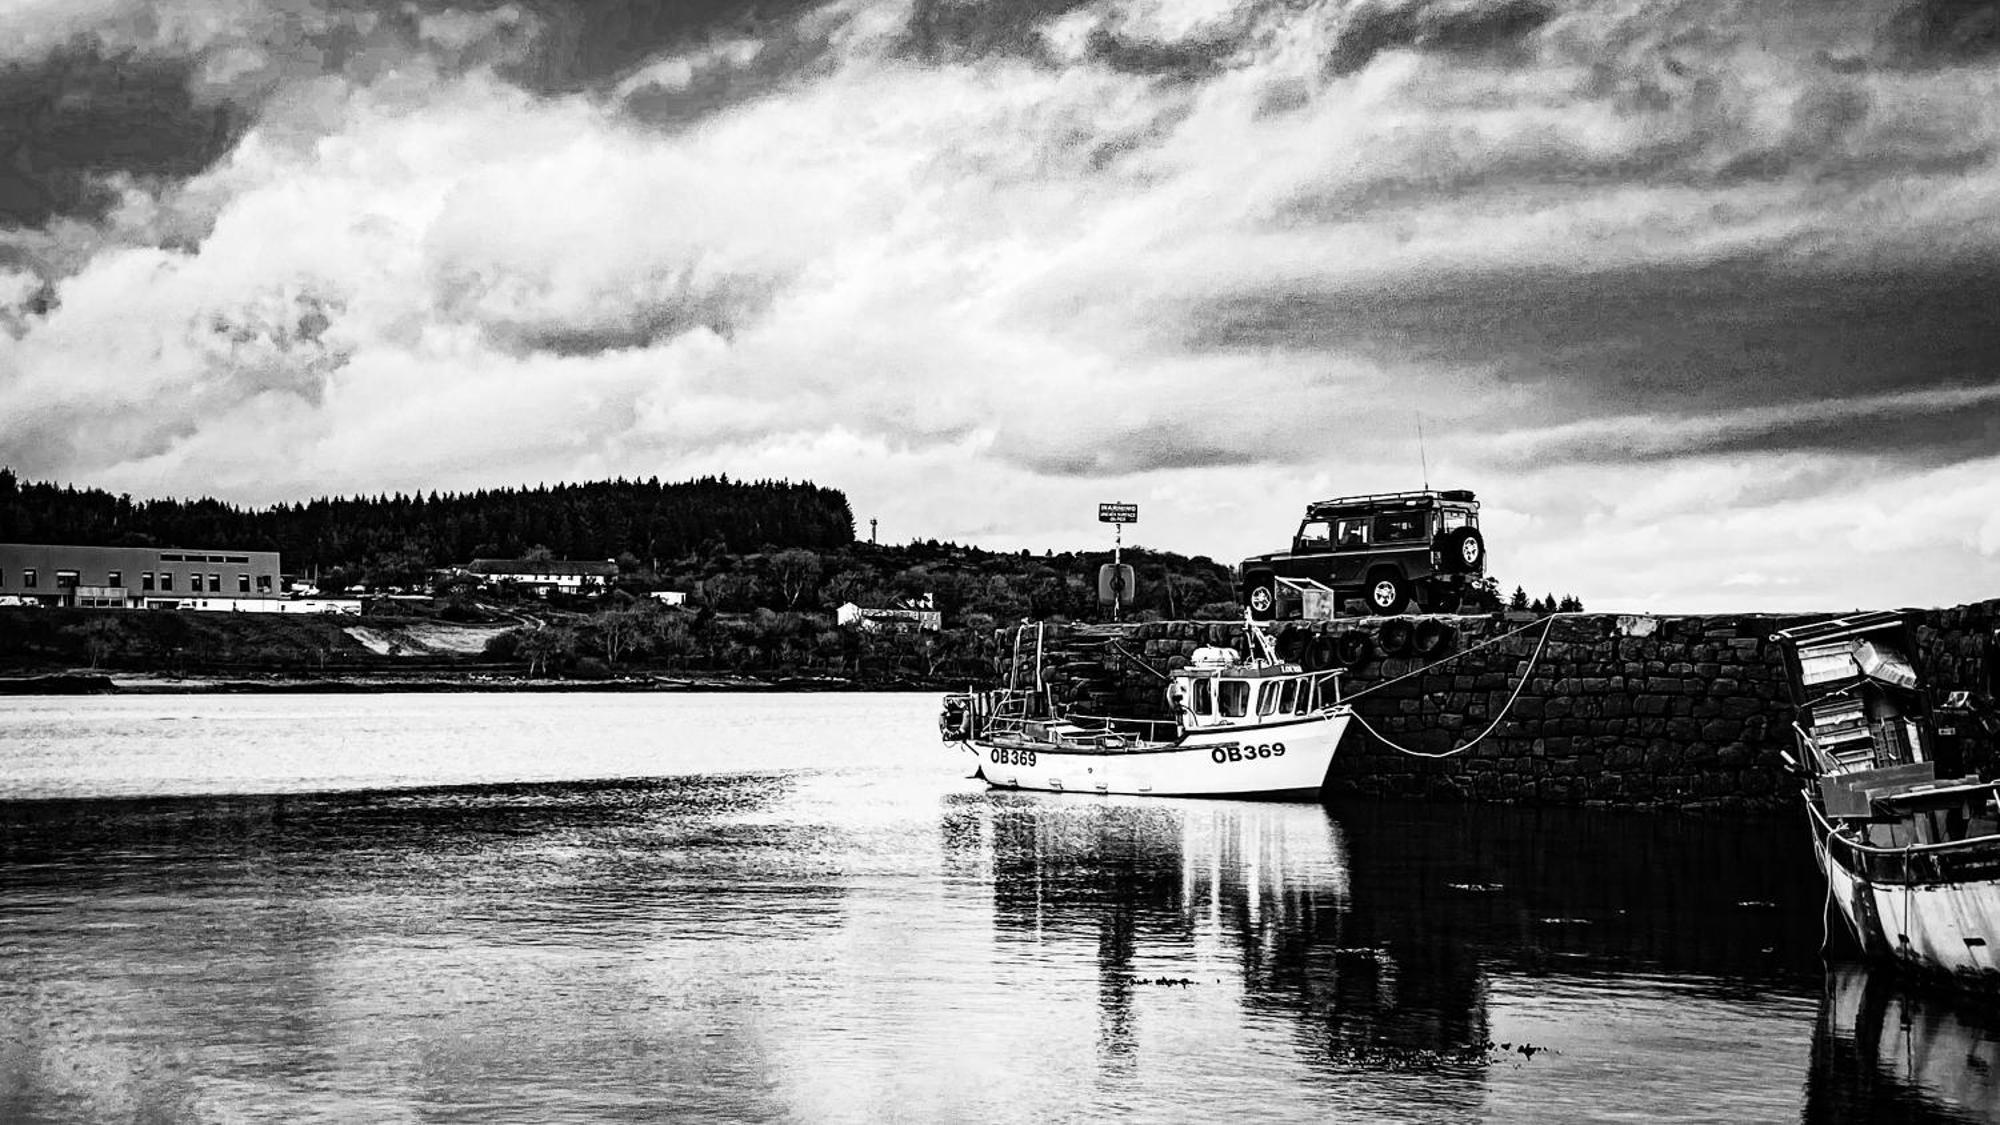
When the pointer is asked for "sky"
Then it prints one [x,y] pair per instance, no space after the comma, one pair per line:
[1698,296]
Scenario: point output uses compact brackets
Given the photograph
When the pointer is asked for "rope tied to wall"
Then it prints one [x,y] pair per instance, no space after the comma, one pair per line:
[1547,623]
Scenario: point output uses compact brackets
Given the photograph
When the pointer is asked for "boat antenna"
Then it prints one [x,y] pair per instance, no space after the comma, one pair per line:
[1421,459]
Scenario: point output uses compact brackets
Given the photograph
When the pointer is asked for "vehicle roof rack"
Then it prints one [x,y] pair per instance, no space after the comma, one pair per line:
[1460,495]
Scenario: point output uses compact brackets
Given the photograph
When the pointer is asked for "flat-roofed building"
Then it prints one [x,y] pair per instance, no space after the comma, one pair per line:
[137,577]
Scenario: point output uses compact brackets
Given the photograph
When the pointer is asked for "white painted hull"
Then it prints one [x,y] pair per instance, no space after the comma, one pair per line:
[1949,926]
[1285,758]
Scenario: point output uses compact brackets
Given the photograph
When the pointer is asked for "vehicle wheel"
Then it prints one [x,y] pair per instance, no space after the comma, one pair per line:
[1462,551]
[1388,593]
[1353,649]
[1263,598]
[1396,638]
[1433,638]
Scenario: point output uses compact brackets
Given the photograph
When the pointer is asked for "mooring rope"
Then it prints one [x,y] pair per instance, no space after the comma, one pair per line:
[1548,624]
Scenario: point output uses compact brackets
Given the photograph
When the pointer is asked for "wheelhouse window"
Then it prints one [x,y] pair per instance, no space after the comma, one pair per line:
[242,583]
[1204,697]
[115,578]
[1232,698]
[145,580]
[167,580]
[1351,532]
[263,583]
[68,579]
[1288,696]
[215,583]
[1315,535]
[1399,527]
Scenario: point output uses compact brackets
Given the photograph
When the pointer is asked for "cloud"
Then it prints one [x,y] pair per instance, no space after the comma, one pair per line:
[1649,276]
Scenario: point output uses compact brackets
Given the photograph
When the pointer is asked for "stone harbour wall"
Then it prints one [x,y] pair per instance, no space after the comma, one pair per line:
[1687,712]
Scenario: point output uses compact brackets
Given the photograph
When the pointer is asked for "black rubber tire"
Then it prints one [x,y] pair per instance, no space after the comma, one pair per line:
[1462,550]
[1396,637]
[1353,649]
[1262,587]
[1322,655]
[1434,638]
[1387,593]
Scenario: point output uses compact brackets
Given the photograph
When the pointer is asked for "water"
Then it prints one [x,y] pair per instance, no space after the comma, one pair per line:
[796,908]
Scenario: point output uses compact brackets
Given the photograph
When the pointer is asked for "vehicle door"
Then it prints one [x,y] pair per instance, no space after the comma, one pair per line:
[1405,538]
[1352,542]
[1312,551]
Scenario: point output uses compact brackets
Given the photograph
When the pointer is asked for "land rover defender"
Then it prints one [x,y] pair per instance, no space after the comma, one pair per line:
[1389,549]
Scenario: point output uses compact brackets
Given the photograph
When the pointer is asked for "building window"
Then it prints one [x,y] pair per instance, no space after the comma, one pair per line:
[146,580]
[67,579]
[28,578]
[167,580]
[215,583]
[242,583]
[263,583]
[115,578]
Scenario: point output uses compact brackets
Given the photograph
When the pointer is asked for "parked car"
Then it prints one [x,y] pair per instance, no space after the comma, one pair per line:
[1389,549]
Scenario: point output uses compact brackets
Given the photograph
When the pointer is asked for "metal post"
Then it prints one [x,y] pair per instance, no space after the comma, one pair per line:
[1117,575]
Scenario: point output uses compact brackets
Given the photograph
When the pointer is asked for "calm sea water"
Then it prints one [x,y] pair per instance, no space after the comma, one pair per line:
[796,908]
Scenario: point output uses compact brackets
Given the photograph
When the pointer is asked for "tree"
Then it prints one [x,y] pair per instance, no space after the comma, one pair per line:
[796,572]
[617,630]
[1519,600]
[543,648]
[1570,604]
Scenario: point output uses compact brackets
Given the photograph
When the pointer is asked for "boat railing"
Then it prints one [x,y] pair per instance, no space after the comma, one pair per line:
[1145,730]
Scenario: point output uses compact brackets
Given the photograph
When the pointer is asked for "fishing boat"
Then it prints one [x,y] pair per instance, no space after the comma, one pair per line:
[1910,850]
[1239,724]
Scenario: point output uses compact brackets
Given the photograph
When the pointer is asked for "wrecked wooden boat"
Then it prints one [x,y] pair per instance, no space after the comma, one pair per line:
[1910,850]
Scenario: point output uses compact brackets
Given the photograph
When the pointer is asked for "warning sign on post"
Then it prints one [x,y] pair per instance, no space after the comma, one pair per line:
[1118,513]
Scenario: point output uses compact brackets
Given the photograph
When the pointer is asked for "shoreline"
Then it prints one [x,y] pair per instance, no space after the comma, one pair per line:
[149,683]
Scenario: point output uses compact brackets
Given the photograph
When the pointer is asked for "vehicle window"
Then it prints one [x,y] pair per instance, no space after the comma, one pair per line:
[1397,527]
[1233,698]
[1289,699]
[1204,701]
[1352,532]
[1267,698]
[1451,518]
[1314,535]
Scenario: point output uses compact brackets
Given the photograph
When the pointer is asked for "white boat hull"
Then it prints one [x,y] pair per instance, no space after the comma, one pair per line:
[1949,926]
[1274,759]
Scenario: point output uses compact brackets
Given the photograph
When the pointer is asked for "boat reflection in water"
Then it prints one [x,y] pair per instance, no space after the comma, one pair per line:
[1890,1050]
[1365,958]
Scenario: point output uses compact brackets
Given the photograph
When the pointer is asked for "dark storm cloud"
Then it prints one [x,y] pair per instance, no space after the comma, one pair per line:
[1672,341]
[134,99]
[1943,33]
[1428,25]
[586,45]
[78,115]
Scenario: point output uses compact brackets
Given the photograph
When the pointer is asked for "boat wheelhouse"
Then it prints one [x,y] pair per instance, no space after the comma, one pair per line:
[1236,725]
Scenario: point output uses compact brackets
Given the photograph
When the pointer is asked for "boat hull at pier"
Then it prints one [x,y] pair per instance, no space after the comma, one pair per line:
[1932,910]
[1269,761]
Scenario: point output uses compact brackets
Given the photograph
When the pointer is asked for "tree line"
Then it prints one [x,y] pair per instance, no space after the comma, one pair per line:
[645,520]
